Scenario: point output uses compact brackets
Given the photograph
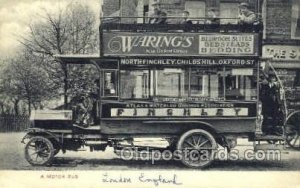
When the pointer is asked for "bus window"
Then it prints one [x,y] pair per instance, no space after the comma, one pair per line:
[134,84]
[204,83]
[199,83]
[83,80]
[240,84]
[216,86]
[170,82]
[110,83]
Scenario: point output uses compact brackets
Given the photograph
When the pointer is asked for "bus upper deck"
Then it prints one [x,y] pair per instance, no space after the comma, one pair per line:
[196,24]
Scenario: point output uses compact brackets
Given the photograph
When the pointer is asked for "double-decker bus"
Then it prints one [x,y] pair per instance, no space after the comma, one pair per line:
[198,88]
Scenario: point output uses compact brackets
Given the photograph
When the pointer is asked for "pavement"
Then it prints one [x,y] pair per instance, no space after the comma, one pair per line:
[12,158]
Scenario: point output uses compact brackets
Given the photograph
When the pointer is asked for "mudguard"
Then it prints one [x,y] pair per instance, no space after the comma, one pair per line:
[38,131]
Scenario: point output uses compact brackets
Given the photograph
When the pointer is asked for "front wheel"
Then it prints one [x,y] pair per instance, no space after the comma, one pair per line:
[197,147]
[39,151]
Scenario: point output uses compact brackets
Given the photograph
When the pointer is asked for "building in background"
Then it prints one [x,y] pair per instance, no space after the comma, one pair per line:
[282,43]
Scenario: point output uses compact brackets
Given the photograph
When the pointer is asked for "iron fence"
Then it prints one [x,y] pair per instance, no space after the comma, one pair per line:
[14,123]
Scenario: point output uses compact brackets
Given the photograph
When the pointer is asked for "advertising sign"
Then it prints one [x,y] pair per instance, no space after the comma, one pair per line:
[282,52]
[179,44]
[165,109]
[171,112]
[194,61]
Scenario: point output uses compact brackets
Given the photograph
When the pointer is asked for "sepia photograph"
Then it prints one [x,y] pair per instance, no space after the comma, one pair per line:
[149,93]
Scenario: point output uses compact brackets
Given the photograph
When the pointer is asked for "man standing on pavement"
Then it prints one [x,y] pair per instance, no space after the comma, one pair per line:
[270,96]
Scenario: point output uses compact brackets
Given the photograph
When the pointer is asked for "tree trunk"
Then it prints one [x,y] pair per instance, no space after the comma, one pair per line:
[16,106]
[34,106]
[29,107]
[2,108]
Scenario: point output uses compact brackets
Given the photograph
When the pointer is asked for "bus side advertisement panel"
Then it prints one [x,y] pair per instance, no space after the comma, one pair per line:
[179,44]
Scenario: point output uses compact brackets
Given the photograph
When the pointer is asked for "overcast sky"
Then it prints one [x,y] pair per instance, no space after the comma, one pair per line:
[15,15]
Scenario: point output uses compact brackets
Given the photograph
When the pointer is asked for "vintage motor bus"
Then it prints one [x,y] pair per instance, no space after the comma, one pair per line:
[198,89]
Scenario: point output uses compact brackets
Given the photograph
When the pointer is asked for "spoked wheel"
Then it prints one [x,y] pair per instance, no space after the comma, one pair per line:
[39,151]
[292,131]
[197,147]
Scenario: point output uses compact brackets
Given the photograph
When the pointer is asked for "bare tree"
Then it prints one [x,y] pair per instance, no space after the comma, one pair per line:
[24,79]
[7,101]
[70,31]
[82,30]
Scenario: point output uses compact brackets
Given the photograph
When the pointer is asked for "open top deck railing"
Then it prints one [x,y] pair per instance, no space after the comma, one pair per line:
[174,23]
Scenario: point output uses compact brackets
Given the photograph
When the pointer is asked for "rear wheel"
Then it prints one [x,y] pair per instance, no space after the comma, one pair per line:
[39,151]
[292,131]
[197,147]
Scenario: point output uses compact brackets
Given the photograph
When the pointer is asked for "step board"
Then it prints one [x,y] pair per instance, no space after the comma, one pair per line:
[268,147]
[92,127]
[268,137]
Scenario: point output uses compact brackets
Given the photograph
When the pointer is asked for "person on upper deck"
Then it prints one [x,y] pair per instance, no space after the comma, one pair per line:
[246,16]
[185,18]
[212,17]
[158,16]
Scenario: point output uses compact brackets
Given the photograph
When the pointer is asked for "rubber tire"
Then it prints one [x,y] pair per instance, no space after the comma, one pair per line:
[189,133]
[49,145]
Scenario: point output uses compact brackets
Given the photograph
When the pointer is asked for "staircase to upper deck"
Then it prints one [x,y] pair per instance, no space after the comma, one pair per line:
[269,142]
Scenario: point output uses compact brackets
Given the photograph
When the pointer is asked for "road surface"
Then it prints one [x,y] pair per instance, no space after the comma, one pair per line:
[12,158]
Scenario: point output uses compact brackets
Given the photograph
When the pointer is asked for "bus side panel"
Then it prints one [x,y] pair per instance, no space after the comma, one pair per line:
[238,125]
